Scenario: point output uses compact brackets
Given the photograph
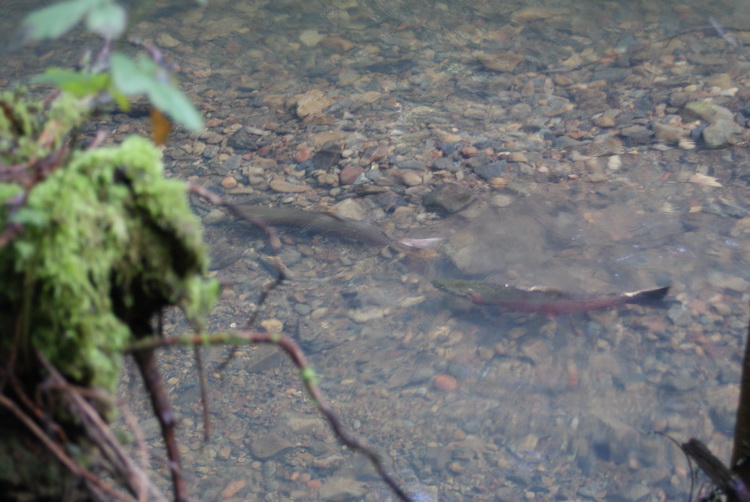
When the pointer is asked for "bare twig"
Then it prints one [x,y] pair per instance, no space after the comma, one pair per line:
[102,437]
[693,471]
[58,452]
[146,360]
[309,379]
[273,237]
[204,392]
[140,441]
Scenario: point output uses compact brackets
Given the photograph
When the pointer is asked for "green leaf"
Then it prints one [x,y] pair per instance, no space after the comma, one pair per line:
[78,84]
[108,20]
[128,77]
[122,100]
[57,19]
[143,76]
[172,101]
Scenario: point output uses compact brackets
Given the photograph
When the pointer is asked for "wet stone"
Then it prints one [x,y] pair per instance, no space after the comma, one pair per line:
[478,160]
[150,428]
[393,67]
[350,174]
[233,163]
[268,446]
[279,184]
[302,309]
[313,102]
[410,164]
[709,112]
[723,419]
[297,422]
[336,44]
[556,106]
[449,149]
[373,154]
[444,164]
[327,157]
[493,170]
[705,59]
[680,380]
[339,488]
[501,200]
[243,140]
[410,178]
[668,134]
[310,37]
[635,492]
[679,99]
[166,40]
[269,473]
[605,121]
[500,61]
[350,208]
[728,373]
[438,456]
[290,256]
[450,198]
[636,132]
[233,488]
[223,254]
[592,489]
[721,133]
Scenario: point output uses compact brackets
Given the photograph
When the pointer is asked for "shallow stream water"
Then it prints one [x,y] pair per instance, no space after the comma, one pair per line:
[561,124]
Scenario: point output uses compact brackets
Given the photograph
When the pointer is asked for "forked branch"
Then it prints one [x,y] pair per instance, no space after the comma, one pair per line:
[307,374]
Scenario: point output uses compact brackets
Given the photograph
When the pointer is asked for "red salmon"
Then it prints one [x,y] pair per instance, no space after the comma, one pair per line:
[545,300]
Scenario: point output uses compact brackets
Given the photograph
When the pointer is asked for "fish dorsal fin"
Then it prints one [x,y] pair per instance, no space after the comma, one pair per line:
[331,212]
[550,290]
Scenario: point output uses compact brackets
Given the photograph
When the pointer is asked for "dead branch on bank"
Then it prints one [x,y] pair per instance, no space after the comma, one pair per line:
[99,433]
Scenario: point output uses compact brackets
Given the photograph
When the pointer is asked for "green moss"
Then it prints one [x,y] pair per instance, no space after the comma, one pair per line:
[30,130]
[107,242]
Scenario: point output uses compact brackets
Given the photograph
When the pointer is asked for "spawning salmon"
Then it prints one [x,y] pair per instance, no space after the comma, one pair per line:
[544,300]
[328,223]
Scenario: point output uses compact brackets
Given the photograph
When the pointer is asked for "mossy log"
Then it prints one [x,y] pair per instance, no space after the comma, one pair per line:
[97,242]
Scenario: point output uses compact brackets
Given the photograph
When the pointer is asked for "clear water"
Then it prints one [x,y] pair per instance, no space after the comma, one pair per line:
[543,409]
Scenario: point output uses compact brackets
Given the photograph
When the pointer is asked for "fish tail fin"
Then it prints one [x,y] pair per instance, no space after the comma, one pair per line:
[648,296]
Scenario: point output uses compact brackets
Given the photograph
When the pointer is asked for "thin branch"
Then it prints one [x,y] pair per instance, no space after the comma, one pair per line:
[204,392]
[101,435]
[273,237]
[693,471]
[309,379]
[60,454]
[140,441]
[146,360]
